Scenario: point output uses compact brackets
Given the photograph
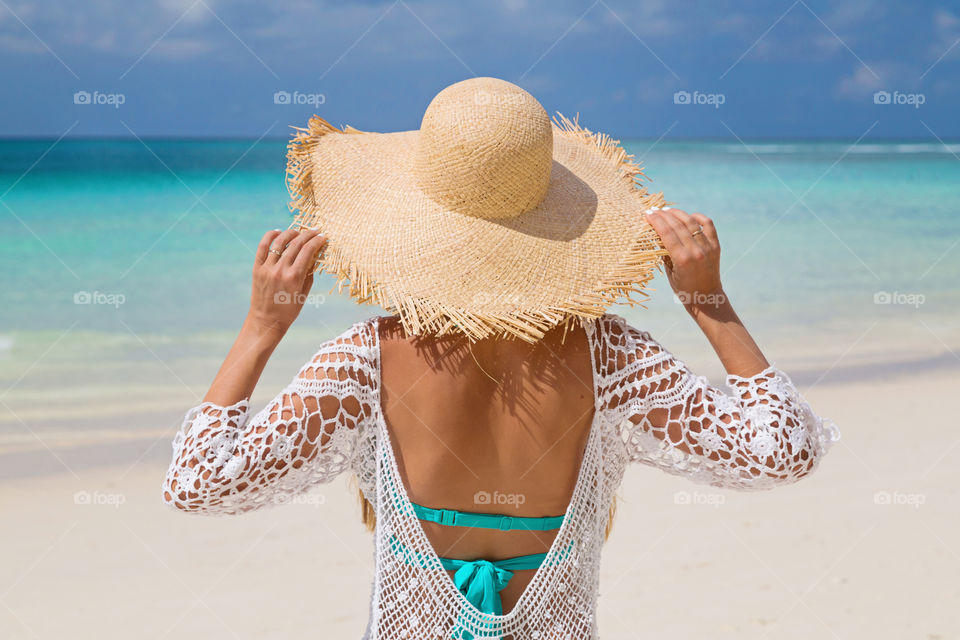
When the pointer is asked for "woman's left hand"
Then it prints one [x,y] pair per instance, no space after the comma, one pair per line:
[282,277]
[693,266]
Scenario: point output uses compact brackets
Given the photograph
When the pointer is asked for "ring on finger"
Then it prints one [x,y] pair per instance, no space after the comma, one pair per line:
[698,232]
[278,253]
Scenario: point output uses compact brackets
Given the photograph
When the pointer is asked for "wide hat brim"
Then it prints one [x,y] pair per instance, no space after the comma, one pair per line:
[586,246]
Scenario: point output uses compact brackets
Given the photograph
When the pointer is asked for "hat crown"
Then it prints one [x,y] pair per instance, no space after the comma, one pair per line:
[485,149]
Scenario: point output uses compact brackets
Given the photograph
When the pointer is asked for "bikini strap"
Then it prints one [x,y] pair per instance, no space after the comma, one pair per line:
[454,518]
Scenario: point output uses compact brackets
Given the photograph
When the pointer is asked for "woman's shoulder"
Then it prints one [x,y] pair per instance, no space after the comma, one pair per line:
[623,349]
[616,328]
[354,346]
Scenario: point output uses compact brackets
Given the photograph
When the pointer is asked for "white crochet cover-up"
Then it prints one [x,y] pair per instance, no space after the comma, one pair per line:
[329,421]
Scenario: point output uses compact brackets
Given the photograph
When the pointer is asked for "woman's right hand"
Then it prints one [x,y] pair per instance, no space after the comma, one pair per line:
[281,282]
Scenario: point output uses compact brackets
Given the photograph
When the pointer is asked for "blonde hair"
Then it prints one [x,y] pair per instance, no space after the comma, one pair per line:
[369,515]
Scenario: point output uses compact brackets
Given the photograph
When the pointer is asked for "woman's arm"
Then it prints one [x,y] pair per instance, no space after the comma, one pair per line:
[280,286]
[763,435]
[227,462]
[693,269]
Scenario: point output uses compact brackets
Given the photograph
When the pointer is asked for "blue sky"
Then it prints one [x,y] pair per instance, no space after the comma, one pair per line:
[786,68]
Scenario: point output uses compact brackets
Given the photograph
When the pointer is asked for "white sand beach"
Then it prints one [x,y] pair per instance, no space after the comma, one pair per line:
[863,549]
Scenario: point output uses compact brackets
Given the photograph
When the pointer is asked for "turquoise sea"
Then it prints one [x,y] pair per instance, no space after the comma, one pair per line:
[126,263]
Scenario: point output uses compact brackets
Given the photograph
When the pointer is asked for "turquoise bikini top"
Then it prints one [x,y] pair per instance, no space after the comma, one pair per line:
[481,581]
[454,518]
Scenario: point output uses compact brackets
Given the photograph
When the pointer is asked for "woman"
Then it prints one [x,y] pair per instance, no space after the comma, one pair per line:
[490,417]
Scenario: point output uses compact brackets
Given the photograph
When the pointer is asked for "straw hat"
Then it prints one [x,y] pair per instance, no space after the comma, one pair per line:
[489,220]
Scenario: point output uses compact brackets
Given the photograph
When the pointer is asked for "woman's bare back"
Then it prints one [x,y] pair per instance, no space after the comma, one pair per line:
[498,426]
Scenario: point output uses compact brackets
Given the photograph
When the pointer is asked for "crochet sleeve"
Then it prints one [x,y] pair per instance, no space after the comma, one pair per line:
[226,462]
[761,435]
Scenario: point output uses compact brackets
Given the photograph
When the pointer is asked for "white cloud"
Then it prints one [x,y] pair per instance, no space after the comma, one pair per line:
[646,19]
[945,20]
[657,90]
[182,48]
[802,35]
[734,23]
[859,83]
[15,44]
[826,45]
[946,28]
[892,76]
[854,13]
[189,12]
[514,5]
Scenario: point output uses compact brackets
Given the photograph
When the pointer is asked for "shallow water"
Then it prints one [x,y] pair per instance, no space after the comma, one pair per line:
[127,263]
